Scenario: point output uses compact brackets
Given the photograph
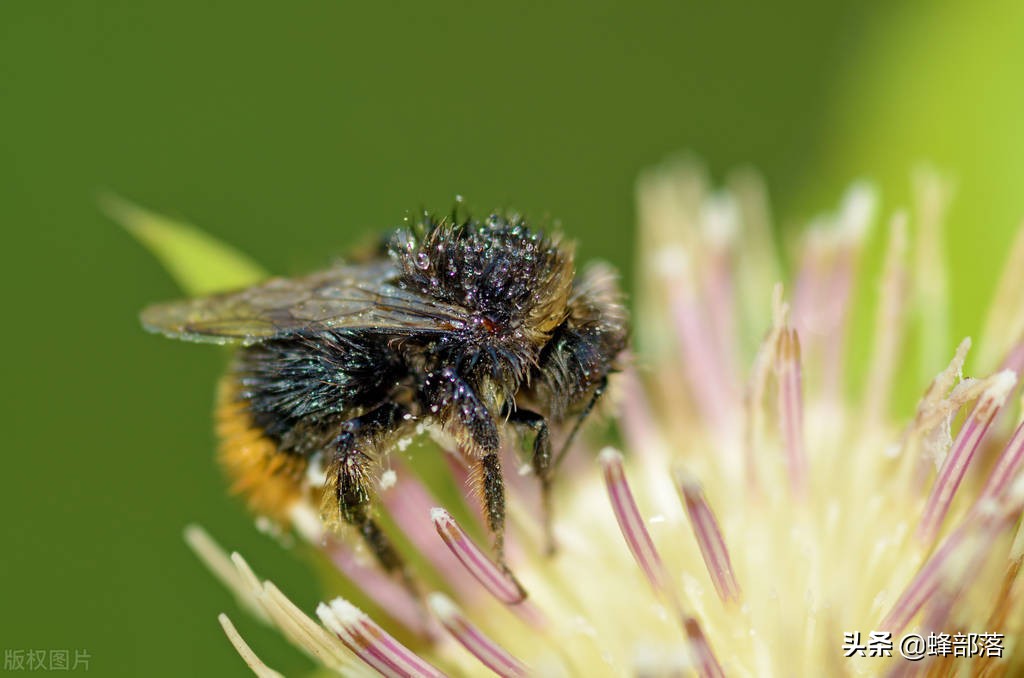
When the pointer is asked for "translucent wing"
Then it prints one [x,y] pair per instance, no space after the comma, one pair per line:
[345,296]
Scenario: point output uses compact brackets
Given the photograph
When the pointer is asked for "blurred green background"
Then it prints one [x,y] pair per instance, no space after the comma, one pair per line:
[293,130]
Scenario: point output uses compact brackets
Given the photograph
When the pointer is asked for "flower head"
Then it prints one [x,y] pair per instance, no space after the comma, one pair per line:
[756,519]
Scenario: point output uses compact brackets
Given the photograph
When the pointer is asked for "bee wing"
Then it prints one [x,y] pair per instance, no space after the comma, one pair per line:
[345,296]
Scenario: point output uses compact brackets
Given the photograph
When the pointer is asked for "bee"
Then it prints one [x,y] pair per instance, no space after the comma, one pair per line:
[470,329]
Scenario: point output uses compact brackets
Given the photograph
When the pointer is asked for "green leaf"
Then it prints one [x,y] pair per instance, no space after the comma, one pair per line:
[198,262]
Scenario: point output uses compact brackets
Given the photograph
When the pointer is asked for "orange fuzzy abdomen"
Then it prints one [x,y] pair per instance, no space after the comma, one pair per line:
[269,479]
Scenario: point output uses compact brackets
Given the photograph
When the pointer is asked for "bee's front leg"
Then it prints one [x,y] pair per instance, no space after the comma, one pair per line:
[463,414]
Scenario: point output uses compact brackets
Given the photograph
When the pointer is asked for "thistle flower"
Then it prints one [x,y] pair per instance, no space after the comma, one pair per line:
[757,519]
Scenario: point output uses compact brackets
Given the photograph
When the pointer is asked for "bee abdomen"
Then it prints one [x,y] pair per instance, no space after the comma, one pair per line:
[302,383]
[271,480]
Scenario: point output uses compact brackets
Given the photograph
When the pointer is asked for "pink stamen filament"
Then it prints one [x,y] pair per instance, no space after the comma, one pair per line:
[372,644]
[982,532]
[996,508]
[701,358]
[709,538]
[631,524]
[954,467]
[385,591]
[707,663]
[1006,468]
[638,425]
[407,503]
[490,654]
[1015,359]
[718,281]
[791,408]
[499,583]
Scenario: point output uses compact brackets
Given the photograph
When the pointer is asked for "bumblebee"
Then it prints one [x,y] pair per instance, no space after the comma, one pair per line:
[471,329]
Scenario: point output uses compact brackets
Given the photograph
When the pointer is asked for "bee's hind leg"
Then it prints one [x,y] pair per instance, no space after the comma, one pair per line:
[353,486]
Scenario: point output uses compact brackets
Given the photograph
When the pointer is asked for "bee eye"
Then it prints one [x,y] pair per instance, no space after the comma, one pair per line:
[491,322]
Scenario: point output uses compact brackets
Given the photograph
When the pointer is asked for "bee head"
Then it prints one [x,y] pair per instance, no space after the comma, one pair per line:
[514,282]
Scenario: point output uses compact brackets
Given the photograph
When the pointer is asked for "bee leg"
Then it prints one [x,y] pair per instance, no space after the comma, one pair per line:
[599,390]
[353,487]
[493,483]
[542,467]
[490,480]
[460,409]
